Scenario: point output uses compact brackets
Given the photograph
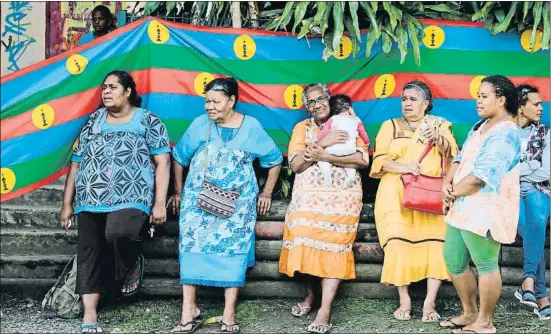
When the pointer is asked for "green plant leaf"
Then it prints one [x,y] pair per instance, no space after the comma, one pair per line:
[322,6]
[170,5]
[503,25]
[402,40]
[285,187]
[300,11]
[374,6]
[546,27]
[151,7]
[393,19]
[327,40]
[270,13]
[538,8]
[483,13]
[374,27]
[354,36]
[499,14]
[305,28]
[338,25]
[325,20]
[353,8]
[287,14]
[413,33]
[443,8]
[387,39]
[526,8]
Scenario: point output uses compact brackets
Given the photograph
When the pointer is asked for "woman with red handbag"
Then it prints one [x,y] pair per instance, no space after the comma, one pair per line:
[484,193]
[412,240]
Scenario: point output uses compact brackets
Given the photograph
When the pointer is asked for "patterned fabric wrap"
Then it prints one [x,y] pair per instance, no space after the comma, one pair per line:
[536,145]
[216,201]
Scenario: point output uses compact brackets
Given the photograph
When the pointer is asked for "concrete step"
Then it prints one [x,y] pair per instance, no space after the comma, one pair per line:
[51,266]
[169,287]
[49,195]
[47,241]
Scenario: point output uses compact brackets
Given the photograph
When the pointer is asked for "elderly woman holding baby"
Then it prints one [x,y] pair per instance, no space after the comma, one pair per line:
[322,218]
[412,241]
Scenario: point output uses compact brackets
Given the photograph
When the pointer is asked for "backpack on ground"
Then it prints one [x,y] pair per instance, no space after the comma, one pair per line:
[62,297]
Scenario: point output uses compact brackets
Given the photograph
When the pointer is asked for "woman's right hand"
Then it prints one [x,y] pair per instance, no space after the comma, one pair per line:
[412,168]
[66,216]
[175,200]
[447,189]
[334,137]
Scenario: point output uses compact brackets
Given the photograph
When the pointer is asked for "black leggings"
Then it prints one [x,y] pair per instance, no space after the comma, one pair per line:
[108,246]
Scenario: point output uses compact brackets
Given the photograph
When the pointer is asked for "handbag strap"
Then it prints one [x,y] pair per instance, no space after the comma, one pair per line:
[429,147]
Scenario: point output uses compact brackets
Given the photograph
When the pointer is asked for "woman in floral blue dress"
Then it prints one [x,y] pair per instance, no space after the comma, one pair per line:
[216,251]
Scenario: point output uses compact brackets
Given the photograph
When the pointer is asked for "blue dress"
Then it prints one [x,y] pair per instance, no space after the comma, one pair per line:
[217,251]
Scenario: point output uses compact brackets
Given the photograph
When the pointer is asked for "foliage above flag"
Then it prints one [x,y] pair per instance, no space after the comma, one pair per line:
[44,106]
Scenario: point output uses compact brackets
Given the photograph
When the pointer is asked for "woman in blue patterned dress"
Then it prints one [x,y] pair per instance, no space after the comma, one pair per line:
[119,176]
[216,251]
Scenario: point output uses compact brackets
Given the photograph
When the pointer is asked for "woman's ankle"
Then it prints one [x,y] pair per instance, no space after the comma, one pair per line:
[528,284]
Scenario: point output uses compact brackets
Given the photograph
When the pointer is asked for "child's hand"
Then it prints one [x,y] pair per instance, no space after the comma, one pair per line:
[351,111]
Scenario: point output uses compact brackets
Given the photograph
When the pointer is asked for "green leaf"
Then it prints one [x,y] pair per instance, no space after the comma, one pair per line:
[304,29]
[546,27]
[526,9]
[322,6]
[443,8]
[354,36]
[338,25]
[413,32]
[286,17]
[285,187]
[483,13]
[420,7]
[271,13]
[499,14]
[325,20]
[327,40]
[537,11]
[151,7]
[170,5]
[402,39]
[374,27]
[503,25]
[393,19]
[353,8]
[300,11]
[374,6]
[387,39]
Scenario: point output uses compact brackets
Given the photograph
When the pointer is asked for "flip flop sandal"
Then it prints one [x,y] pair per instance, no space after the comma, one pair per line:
[526,297]
[302,310]
[453,326]
[428,319]
[543,313]
[95,326]
[196,323]
[319,329]
[134,279]
[224,327]
[404,317]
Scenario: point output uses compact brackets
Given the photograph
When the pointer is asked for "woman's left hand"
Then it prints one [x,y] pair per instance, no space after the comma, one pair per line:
[264,204]
[315,152]
[158,214]
[430,133]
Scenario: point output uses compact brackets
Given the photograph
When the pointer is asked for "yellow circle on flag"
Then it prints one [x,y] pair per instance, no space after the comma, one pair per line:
[293,96]
[384,86]
[434,37]
[244,47]
[201,81]
[475,85]
[43,116]
[75,144]
[76,64]
[157,32]
[345,48]
[525,40]
[7,180]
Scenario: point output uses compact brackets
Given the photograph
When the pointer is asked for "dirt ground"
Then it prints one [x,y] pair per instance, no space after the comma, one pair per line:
[351,315]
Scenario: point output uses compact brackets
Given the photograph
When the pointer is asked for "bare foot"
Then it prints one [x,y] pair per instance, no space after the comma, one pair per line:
[323,317]
[131,273]
[186,318]
[429,313]
[88,319]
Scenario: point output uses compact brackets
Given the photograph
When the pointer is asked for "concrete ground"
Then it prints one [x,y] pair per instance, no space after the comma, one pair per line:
[351,315]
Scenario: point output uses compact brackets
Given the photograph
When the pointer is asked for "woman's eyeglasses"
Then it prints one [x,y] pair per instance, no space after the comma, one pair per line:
[320,100]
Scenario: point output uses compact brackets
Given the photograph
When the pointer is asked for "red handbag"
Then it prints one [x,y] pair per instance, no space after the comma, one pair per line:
[423,193]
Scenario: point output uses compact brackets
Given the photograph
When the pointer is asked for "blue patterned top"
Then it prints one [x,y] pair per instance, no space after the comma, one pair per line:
[116,170]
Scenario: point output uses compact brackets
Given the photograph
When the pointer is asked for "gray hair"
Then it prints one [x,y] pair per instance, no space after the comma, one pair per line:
[323,87]
[423,89]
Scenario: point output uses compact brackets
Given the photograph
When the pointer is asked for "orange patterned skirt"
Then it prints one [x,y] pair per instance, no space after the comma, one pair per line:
[320,225]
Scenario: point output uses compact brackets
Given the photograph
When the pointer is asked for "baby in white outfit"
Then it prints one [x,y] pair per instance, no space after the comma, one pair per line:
[343,118]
